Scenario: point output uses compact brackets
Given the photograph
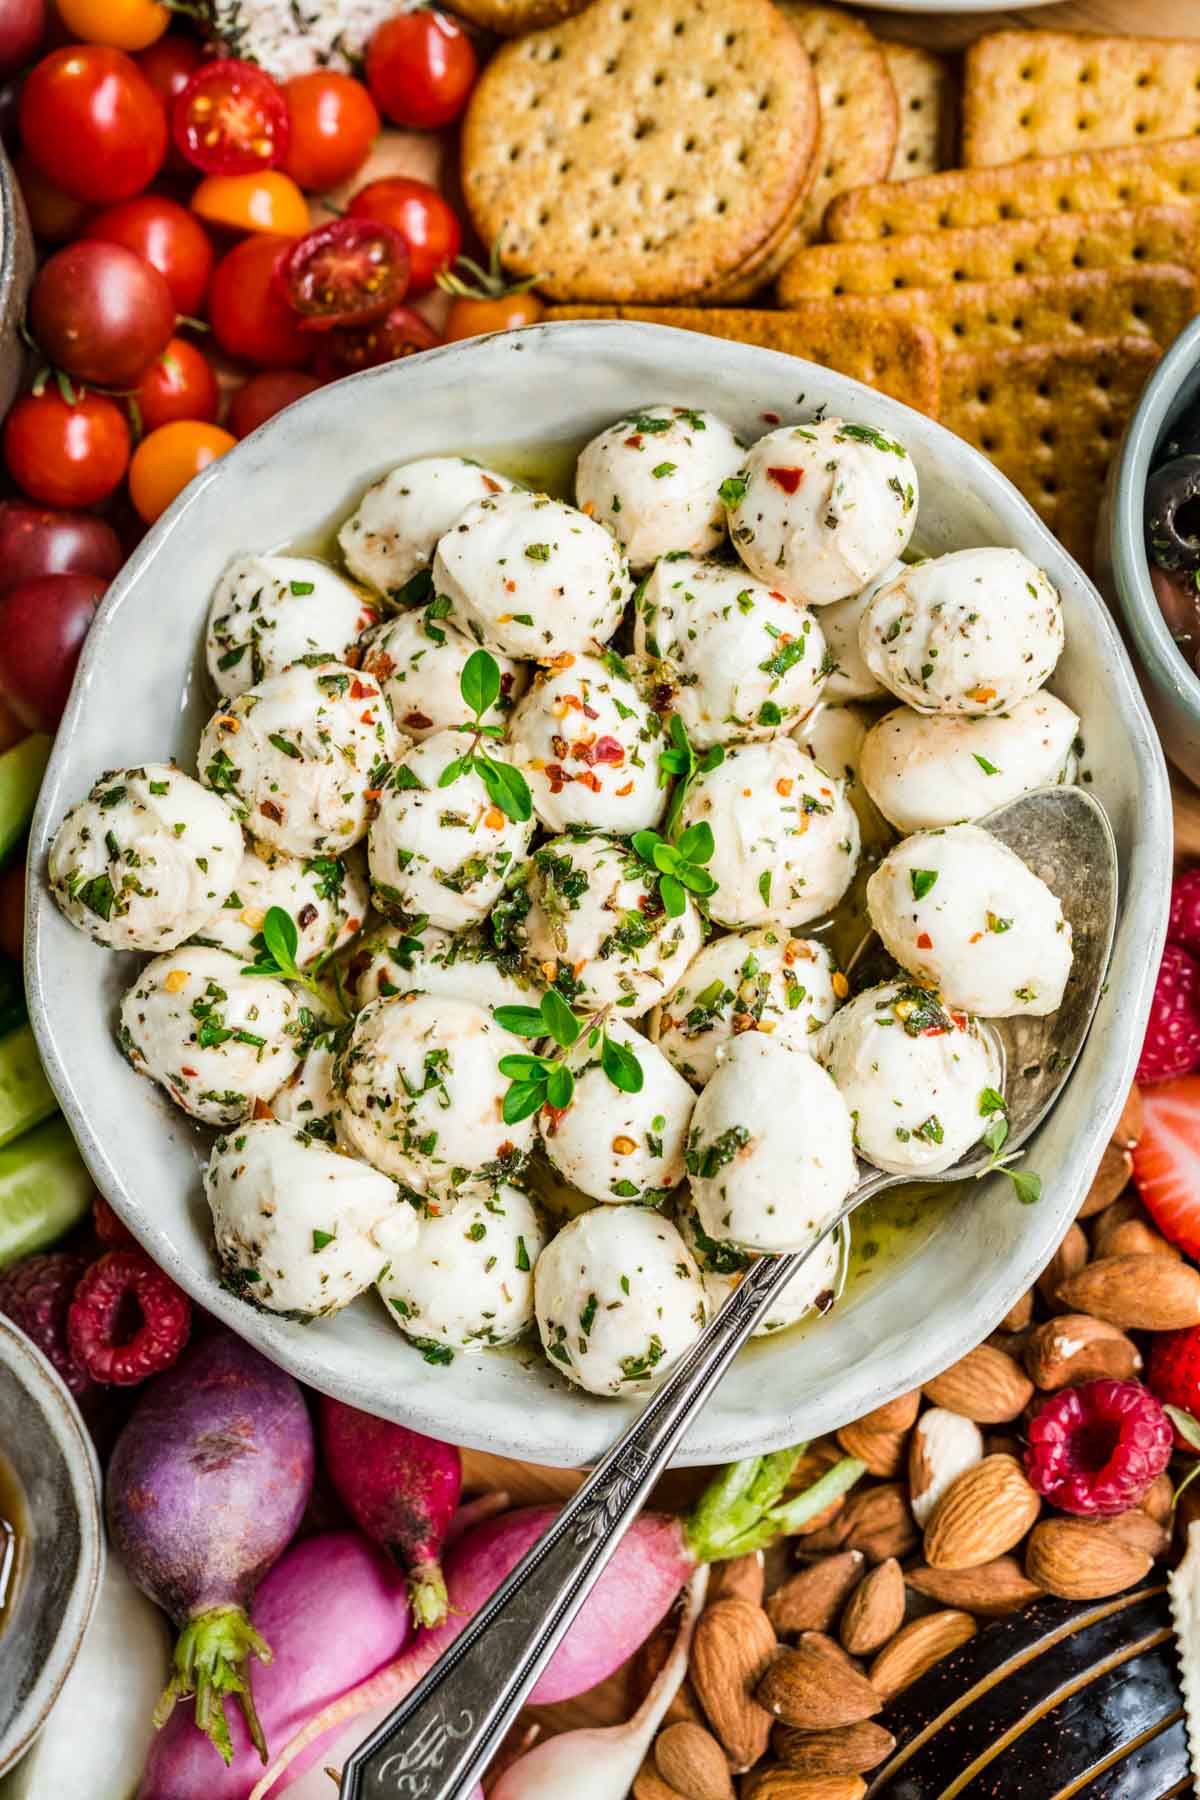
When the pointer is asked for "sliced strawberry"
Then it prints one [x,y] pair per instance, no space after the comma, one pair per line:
[1173,1373]
[1166,1160]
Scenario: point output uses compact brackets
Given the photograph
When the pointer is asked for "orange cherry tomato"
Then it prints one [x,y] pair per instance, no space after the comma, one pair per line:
[55,215]
[334,123]
[470,317]
[166,460]
[270,201]
[121,24]
[179,384]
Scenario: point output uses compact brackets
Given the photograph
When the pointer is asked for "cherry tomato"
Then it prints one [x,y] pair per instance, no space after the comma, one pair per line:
[56,216]
[471,315]
[401,333]
[425,221]
[170,64]
[92,123]
[11,728]
[260,398]
[166,461]
[420,68]
[169,238]
[249,318]
[101,313]
[180,384]
[39,540]
[334,122]
[347,272]
[231,119]
[63,454]
[22,23]
[12,911]
[270,201]
[42,627]
[125,24]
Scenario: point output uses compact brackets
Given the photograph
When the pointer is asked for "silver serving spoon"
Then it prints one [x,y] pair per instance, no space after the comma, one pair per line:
[441,1737]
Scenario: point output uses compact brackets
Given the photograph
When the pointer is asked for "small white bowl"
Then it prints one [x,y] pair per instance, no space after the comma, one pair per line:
[140,694]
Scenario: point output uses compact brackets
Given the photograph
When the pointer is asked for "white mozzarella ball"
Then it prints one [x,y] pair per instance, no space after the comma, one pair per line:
[770,1152]
[923,770]
[270,611]
[762,980]
[619,1299]
[146,859]
[418,659]
[468,1281]
[787,839]
[587,744]
[820,510]
[833,736]
[960,910]
[420,1094]
[531,577]
[919,1081]
[426,959]
[654,479]
[442,852]
[850,678]
[975,631]
[215,1039]
[596,925]
[722,1267]
[614,1145]
[308,1100]
[399,520]
[740,658]
[326,898]
[300,1229]
[300,755]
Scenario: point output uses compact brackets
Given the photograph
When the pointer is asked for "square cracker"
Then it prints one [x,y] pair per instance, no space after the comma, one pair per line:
[925,94]
[1036,93]
[897,356]
[1050,416]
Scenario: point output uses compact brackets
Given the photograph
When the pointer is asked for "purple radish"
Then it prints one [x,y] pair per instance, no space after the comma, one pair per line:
[398,1487]
[335,1610]
[206,1486]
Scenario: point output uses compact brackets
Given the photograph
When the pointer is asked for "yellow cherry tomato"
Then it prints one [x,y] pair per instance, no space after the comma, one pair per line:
[165,461]
[266,201]
[122,24]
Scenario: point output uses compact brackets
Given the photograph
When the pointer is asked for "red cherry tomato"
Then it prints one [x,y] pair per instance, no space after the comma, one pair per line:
[101,313]
[426,222]
[231,119]
[170,238]
[334,122]
[92,123]
[168,66]
[42,627]
[249,317]
[12,911]
[56,216]
[471,316]
[420,68]
[22,23]
[166,461]
[180,384]
[345,273]
[63,454]
[260,398]
[402,333]
[38,540]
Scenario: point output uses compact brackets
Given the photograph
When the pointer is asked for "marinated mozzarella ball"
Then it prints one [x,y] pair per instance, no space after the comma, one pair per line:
[763,980]
[468,1282]
[654,479]
[442,851]
[722,1266]
[919,1081]
[619,1299]
[418,659]
[976,631]
[770,1152]
[614,1145]
[849,677]
[215,1039]
[587,744]
[960,910]
[741,659]
[595,918]
[146,859]
[820,510]
[300,1229]
[326,897]
[406,959]
[308,1100]
[833,737]
[787,838]
[530,576]
[269,611]
[300,754]
[399,521]
[420,1093]
[923,770]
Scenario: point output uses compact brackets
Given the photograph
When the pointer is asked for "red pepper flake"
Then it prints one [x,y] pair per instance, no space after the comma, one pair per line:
[590,779]
[608,750]
[924,942]
[559,746]
[960,1019]
[934,1031]
[418,720]
[788,479]
[589,712]
[361,690]
[774,594]
[191,1074]
[573,700]
[380,665]
[506,683]
[621,793]
[558,777]
[269,810]
[366,718]
[372,793]
[770,418]
[552,1117]
[633,443]
[510,586]
[493,487]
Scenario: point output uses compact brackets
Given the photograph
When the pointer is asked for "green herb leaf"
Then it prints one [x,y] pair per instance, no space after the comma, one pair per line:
[506,788]
[1028,1186]
[621,1066]
[522,1100]
[281,937]
[697,843]
[560,1021]
[560,1087]
[1187,1427]
[987,767]
[479,683]
[673,897]
[522,1021]
[321,1238]
[922,880]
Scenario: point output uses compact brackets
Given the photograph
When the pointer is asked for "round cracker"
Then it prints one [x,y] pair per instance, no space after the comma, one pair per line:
[643,150]
[860,115]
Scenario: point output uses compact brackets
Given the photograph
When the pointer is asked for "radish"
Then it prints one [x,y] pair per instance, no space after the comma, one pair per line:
[398,1487]
[206,1486]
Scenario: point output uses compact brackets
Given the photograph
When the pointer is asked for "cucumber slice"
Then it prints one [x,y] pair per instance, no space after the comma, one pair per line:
[26,1097]
[21,771]
[44,1190]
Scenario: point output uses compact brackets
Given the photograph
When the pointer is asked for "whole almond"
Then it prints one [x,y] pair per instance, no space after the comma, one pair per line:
[1137,1529]
[850,1750]
[981,1515]
[774,1782]
[732,1645]
[942,1446]
[812,1600]
[1132,1237]
[875,1610]
[1116,1167]
[984,1385]
[690,1760]
[894,1415]
[1138,1293]
[806,1687]
[1129,1126]
[1076,1347]
[881,1451]
[648,1784]
[992,1591]
[825,1645]
[1159,1499]
[1068,1259]
[878,1522]
[742,1577]
[1019,1314]
[915,1649]
[1081,1560]
[1126,1206]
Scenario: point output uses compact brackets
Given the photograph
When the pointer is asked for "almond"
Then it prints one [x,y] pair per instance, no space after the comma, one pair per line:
[824,1645]
[648,1784]
[875,1611]
[1019,1314]
[894,1415]
[777,1783]
[1159,1499]
[877,1522]
[1129,1126]
[1068,1259]
[1076,1347]
[1116,1167]
[942,1446]
[981,1515]
[991,1591]
[812,1600]
[1137,1529]
[985,1385]
[806,1687]
[1138,1293]
[732,1645]
[850,1750]
[1078,1559]
[691,1761]
[1133,1237]
[881,1451]
[915,1649]
[1125,1206]
[742,1577]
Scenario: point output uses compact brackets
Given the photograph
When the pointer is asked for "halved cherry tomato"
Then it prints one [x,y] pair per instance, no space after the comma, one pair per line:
[269,201]
[179,384]
[264,395]
[426,222]
[347,272]
[231,119]
[55,215]
[471,317]
[401,333]
[168,237]
[334,122]
[92,123]
[64,454]
[166,461]
[249,317]
[420,68]
[124,24]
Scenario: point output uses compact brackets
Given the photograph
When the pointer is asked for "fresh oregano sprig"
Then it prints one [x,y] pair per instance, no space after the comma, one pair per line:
[1027,1185]
[277,958]
[539,1081]
[679,865]
[506,787]
[678,762]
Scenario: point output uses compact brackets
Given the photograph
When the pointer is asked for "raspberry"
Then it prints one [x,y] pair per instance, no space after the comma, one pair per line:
[127,1320]
[1095,1449]
[108,1228]
[1172,1042]
[1184,926]
[35,1294]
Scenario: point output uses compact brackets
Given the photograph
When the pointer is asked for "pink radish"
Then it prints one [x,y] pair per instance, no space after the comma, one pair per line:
[398,1487]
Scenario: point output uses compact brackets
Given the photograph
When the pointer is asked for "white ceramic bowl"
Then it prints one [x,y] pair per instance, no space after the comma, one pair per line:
[140,694]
